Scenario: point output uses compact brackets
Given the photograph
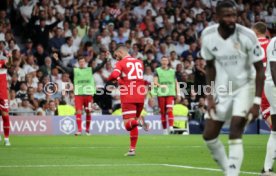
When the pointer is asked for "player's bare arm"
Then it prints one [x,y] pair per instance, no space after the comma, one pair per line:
[211,76]
[177,90]
[273,71]
[259,88]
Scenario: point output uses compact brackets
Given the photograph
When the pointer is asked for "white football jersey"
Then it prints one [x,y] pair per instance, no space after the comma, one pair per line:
[271,56]
[234,56]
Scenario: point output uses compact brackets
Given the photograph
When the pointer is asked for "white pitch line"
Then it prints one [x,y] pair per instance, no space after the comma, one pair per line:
[122,165]
[206,169]
[103,147]
[89,147]
[75,165]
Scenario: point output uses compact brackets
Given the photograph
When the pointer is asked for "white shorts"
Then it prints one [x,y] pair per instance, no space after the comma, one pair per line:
[270,93]
[236,104]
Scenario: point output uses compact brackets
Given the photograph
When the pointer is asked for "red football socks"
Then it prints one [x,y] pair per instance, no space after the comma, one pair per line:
[170,116]
[88,121]
[164,121]
[133,138]
[6,126]
[78,120]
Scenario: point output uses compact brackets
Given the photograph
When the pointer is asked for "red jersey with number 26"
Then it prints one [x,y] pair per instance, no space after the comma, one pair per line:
[129,73]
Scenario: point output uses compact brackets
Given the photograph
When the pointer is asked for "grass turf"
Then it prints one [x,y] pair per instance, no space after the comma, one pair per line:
[103,156]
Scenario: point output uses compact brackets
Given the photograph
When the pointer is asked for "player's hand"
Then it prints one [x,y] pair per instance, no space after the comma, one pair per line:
[178,98]
[211,104]
[254,112]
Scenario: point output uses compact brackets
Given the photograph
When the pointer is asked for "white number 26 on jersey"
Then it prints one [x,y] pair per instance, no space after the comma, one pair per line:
[134,67]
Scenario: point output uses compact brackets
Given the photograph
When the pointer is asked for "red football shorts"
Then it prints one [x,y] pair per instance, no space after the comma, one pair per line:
[165,103]
[265,107]
[83,101]
[132,110]
[4,103]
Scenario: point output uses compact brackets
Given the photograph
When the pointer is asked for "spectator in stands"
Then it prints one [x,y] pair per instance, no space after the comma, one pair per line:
[174,61]
[40,55]
[200,110]
[14,102]
[120,39]
[43,107]
[47,67]
[39,94]
[30,65]
[181,46]
[68,51]
[15,84]
[151,106]
[28,48]
[199,76]
[25,108]
[179,72]
[22,92]
[170,45]
[148,75]
[12,46]
[76,38]
[163,52]
[52,110]
[191,51]
[41,31]
[30,81]
[57,41]
[18,70]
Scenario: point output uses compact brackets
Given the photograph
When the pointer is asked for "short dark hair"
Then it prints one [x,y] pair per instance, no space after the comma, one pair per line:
[42,103]
[225,4]
[260,27]
[80,57]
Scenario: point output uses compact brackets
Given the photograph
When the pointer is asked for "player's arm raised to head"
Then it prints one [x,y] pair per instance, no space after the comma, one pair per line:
[116,72]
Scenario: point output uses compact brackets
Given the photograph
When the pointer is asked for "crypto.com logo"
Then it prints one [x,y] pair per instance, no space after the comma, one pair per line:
[50,88]
[67,125]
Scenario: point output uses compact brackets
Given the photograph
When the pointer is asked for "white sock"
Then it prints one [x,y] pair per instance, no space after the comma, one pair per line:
[6,139]
[270,151]
[235,157]
[217,150]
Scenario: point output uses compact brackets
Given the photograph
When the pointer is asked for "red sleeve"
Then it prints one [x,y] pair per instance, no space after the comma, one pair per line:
[116,72]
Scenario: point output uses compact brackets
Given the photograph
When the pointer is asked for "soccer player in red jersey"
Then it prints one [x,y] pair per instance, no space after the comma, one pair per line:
[84,89]
[4,103]
[129,74]
[260,29]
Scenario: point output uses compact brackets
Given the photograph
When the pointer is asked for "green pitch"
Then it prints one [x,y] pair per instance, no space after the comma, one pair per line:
[103,156]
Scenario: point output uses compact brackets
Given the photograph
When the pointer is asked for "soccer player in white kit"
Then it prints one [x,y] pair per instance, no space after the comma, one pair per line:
[234,65]
[270,92]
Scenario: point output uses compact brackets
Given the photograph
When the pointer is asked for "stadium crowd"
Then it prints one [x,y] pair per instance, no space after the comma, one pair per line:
[32,30]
